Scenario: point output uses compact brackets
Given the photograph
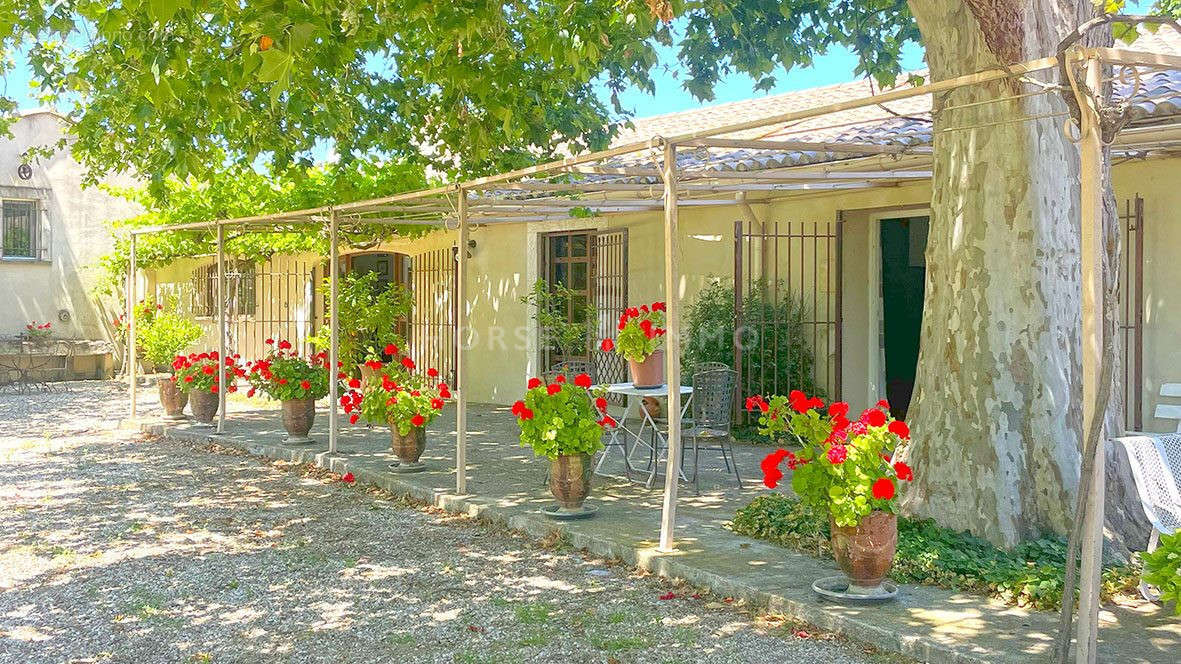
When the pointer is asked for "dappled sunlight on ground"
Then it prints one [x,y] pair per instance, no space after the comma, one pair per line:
[120,547]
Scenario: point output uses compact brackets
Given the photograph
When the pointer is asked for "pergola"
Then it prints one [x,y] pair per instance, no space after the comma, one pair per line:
[722,166]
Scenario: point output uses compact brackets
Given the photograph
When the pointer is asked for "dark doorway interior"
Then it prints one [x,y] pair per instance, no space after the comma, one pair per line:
[904,273]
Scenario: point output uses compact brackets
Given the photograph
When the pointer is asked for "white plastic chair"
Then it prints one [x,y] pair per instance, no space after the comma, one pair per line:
[1156,467]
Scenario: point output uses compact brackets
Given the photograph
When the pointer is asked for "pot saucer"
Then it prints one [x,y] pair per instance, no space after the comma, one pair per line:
[839,588]
[298,440]
[560,513]
[403,467]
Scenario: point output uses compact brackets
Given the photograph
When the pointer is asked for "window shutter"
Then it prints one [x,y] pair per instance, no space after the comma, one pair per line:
[44,246]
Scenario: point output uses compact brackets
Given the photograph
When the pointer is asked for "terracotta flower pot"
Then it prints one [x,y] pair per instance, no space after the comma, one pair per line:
[408,448]
[172,399]
[650,372]
[204,405]
[366,373]
[298,415]
[865,552]
[570,479]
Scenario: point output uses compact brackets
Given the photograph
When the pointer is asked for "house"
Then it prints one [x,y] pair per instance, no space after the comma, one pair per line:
[838,243]
[54,232]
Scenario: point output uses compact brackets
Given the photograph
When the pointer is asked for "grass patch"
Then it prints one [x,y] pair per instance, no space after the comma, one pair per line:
[1029,575]
[533,613]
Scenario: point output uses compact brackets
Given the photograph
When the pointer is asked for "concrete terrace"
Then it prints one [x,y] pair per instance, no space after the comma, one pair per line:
[506,482]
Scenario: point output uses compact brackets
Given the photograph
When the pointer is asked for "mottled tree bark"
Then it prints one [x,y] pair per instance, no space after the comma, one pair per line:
[997,411]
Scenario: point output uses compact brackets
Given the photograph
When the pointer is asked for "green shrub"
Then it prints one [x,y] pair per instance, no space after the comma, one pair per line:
[165,335]
[775,338]
[1162,568]
[1029,575]
[369,315]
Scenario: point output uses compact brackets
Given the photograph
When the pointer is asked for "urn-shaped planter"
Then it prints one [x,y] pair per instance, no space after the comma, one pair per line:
[408,448]
[570,481]
[650,372]
[865,552]
[172,398]
[298,416]
[204,405]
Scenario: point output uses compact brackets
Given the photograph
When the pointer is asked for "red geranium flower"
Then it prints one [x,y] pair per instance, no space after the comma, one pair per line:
[873,417]
[582,380]
[432,372]
[608,422]
[303,384]
[534,382]
[353,418]
[284,345]
[899,428]
[354,383]
[770,467]
[904,472]
[883,488]
[407,362]
[213,388]
[601,404]
[607,346]
[837,454]
[417,420]
[348,478]
[553,388]
[390,349]
[561,378]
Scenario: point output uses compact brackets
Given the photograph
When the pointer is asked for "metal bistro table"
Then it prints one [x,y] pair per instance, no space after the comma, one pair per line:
[635,423]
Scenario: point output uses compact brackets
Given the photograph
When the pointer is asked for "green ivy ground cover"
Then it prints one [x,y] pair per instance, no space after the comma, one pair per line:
[1030,575]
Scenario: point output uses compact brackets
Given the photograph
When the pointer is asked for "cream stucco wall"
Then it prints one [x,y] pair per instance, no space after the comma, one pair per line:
[505,260]
[78,235]
[1157,182]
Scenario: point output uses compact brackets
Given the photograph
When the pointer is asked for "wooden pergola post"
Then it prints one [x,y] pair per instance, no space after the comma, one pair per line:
[461,325]
[132,292]
[672,351]
[334,331]
[221,327]
[1091,265]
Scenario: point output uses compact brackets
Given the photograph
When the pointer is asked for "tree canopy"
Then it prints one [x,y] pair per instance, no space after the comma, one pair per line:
[174,87]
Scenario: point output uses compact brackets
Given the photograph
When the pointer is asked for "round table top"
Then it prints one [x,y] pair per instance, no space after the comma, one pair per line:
[631,390]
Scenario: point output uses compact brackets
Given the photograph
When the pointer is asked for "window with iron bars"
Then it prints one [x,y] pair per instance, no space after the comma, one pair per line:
[240,289]
[21,229]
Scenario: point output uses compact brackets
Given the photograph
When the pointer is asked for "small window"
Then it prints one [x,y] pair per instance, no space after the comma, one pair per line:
[21,229]
[240,278]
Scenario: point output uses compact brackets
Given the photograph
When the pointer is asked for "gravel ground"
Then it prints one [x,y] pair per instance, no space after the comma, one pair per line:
[116,547]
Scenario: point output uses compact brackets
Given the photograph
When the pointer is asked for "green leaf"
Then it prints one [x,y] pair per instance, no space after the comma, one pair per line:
[276,65]
[162,11]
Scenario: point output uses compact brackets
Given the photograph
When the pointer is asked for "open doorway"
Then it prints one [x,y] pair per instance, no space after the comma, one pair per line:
[904,275]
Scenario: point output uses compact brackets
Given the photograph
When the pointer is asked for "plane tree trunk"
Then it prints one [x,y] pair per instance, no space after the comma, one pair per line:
[997,409]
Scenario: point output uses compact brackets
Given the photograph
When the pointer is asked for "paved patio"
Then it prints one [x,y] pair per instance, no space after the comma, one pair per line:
[506,484]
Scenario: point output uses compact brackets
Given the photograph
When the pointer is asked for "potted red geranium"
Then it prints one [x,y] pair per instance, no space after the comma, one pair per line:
[402,398]
[35,331]
[845,469]
[197,376]
[295,381]
[641,333]
[564,422]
